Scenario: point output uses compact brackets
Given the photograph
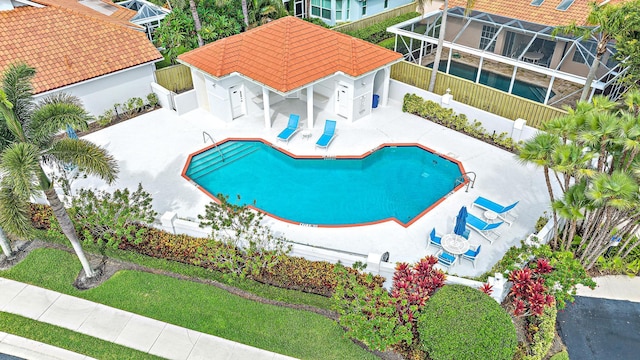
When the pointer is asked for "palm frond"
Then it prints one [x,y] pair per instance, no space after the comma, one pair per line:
[89,157]
[16,83]
[20,165]
[14,212]
[52,115]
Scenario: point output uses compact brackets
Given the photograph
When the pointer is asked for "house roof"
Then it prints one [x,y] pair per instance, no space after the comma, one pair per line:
[66,46]
[99,9]
[288,53]
[545,14]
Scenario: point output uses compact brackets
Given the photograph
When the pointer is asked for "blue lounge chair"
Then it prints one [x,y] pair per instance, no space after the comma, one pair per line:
[472,255]
[445,259]
[434,239]
[288,132]
[504,212]
[328,134]
[486,230]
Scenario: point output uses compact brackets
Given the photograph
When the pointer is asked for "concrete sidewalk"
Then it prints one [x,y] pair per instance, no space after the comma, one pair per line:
[614,287]
[22,348]
[121,327]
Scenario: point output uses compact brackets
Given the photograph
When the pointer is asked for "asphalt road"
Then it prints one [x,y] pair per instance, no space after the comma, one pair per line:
[593,328]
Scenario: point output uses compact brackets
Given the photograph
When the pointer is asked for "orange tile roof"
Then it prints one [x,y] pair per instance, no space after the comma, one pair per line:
[120,16]
[545,14]
[288,53]
[66,47]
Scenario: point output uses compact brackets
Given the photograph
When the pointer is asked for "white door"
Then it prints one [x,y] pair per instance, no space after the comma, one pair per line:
[342,101]
[237,101]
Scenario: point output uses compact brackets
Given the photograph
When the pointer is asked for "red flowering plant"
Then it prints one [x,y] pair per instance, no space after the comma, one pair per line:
[529,294]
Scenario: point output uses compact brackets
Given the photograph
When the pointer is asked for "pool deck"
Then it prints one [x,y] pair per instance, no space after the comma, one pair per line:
[152,149]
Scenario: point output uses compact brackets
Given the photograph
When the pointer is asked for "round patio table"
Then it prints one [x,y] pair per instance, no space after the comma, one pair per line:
[454,244]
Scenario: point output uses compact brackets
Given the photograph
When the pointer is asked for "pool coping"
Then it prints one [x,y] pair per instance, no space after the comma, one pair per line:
[361,156]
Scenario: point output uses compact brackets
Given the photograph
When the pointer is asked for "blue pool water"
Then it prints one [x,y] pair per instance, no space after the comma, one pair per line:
[393,182]
[496,81]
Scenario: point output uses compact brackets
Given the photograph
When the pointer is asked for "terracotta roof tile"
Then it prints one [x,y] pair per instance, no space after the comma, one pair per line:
[66,47]
[120,16]
[545,14]
[288,53]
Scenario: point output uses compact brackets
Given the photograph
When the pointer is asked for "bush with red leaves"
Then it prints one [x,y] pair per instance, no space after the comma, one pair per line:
[529,294]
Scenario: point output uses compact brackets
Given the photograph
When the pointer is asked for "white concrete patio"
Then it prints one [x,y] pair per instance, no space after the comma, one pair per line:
[152,149]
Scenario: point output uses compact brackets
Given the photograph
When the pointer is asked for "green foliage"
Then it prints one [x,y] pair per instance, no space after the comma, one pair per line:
[106,118]
[514,258]
[460,322]
[378,31]
[152,99]
[368,312]
[317,21]
[541,222]
[562,355]
[432,111]
[618,265]
[109,218]
[543,331]
[389,43]
[248,247]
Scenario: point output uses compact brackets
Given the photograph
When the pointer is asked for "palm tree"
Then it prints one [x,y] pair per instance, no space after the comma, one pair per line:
[245,10]
[196,21]
[604,23]
[33,144]
[421,6]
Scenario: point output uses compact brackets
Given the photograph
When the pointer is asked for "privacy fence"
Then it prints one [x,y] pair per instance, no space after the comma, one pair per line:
[477,95]
[175,78]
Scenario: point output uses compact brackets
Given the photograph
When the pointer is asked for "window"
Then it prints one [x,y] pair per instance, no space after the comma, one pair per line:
[386,4]
[564,5]
[321,8]
[488,32]
[364,7]
[339,10]
[536,2]
[579,56]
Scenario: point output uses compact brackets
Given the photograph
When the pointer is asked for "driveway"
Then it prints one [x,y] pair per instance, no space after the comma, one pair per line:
[594,328]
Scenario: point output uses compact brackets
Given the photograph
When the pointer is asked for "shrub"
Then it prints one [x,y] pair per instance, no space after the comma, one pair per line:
[542,331]
[528,292]
[378,31]
[153,100]
[106,118]
[562,355]
[389,43]
[461,323]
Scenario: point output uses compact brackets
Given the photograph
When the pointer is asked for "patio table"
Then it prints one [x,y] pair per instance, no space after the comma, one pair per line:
[454,244]
[533,56]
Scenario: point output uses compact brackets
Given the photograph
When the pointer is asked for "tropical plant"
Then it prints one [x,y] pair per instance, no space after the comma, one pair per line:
[528,292]
[33,144]
[604,22]
[421,6]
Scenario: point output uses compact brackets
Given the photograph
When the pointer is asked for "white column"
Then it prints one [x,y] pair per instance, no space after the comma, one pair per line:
[385,86]
[265,102]
[513,79]
[546,97]
[479,70]
[310,106]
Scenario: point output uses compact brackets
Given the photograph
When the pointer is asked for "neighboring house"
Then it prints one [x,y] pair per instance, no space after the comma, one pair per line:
[147,14]
[334,12]
[290,59]
[518,35]
[97,56]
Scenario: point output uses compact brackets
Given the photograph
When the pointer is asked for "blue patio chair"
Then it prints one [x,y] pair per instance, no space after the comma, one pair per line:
[434,239]
[472,255]
[445,259]
[504,212]
[288,132]
[328,135]
[486,230]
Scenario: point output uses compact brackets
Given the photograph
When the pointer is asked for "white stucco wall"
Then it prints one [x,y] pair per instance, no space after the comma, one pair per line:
[102,93]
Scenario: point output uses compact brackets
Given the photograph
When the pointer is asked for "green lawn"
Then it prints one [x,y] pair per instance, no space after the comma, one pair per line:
[196,306]
[67,339]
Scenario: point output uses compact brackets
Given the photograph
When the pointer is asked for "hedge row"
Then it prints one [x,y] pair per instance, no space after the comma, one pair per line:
[543,329]
[294,273]
[378,32]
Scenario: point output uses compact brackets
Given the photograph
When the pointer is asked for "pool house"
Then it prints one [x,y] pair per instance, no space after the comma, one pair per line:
[291,65]
[510,46]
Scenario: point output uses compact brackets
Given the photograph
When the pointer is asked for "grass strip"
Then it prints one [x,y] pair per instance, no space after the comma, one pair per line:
[196,306]
[67,339]
[254,287]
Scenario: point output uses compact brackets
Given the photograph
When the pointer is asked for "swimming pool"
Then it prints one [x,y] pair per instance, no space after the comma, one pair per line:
[395,182]
[496,81]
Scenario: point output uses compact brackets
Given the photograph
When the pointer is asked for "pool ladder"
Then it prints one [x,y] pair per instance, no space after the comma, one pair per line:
[215,145]
[465,178]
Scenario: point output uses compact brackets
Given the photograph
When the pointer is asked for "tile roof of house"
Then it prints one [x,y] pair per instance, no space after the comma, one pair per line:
[66,47]
[120,15]
[545,14]
[288,53]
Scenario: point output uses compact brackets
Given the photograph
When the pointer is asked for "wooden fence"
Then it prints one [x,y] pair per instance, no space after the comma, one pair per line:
[371,20]
[175,78]
[477,95]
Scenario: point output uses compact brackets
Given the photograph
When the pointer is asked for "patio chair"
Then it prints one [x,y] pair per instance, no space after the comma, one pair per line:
[487,231]
[504,212]
[434,239]
[472,255]
[288,132]
[445,259]
[328,135]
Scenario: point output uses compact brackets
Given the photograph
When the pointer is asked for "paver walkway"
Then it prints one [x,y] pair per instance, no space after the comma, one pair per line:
[121,327]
